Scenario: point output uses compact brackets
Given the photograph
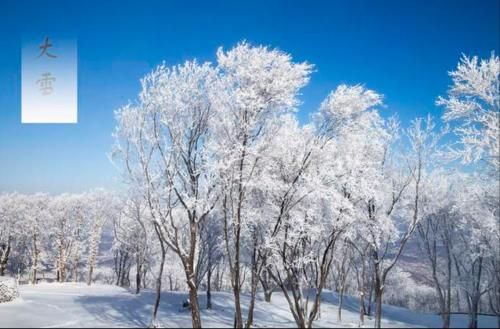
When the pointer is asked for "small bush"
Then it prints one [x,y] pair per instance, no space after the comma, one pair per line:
[8,290]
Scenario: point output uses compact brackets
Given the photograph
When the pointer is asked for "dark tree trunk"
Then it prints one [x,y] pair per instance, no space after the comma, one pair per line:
[91,272]
[138,278]
[118,267]
[473,318]
[156,304]
[378,289]
[266,286]
[251,307]
[60,265]
[254,283]
[341,302]
[475,298]
[74,271]
[35,261]
[193,301]
[144,272]
[361,287]
[370,298]
[238,319]
[378,308]
[361,308]
[209,288]
[5,257]
[170,283]
[446,319]
[268,295]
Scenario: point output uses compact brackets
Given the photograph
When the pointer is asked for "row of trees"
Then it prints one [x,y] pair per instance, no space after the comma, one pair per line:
[216,158]
[60,234]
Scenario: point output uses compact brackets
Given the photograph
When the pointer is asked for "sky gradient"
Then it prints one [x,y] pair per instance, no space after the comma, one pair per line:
[402,49]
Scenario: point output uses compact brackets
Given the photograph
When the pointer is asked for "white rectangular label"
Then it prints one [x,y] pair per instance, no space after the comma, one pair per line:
[49,80]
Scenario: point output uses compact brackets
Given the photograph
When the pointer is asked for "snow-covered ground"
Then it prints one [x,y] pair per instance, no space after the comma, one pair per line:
[53,305]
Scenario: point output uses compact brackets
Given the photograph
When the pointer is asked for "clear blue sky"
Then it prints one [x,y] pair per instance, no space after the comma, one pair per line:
[402,49]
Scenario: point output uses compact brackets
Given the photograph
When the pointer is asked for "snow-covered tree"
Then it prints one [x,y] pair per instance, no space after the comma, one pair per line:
[473,102]
[66,226]
[102,208]
[476,242]
[35,216]
[367,178]
[10,227]
[436,235]
[132,232]
[211,253]
[257,85]
[473,107]
[162,142]
[303,219]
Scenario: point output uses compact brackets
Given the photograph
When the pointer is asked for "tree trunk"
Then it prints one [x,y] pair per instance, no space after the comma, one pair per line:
[302,323]
[473,318]
[118,267]
[251,307]
[60,265]
[447,302]
[209,288]
[370,298]
[91,272]
[341,301]
[138,274]
[2,268]
[75,270]
[268,295]
[35,260]
[476,296]
[266,286]
[5,257]
[124,270]
[254,283]
[361,287]
[446,318]
[62,273]
[378,305]
[318,316]
[238,319]
[473,310]
[195,307]
[361,308]
[156,304]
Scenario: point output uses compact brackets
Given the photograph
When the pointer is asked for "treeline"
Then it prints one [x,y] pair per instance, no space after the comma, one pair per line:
[40,233]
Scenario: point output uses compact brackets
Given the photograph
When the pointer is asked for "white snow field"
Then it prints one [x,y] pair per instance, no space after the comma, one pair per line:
[53,305]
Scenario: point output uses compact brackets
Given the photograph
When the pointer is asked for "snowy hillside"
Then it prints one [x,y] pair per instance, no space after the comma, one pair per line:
[77,305]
